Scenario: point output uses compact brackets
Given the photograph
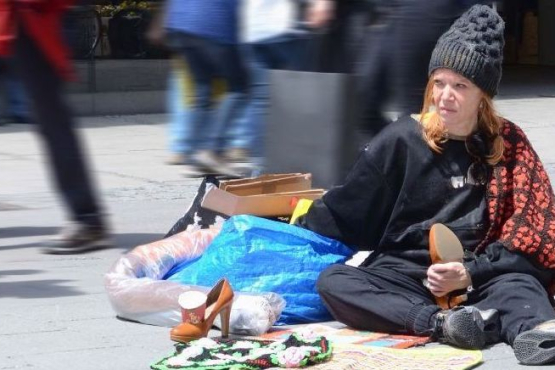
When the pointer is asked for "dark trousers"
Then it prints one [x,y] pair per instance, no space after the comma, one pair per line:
[394,64]
[381,299]
[56,127]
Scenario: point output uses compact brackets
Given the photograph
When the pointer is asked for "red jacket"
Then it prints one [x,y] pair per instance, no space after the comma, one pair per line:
[42,20]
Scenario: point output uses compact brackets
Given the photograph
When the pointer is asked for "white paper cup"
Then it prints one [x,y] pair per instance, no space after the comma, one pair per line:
[193,306]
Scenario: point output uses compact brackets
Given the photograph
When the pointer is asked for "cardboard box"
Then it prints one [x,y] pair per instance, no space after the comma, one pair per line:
[268,184]
[268,176]
[267,195]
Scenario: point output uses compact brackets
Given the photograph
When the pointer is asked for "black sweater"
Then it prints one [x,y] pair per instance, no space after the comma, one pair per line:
[397,190]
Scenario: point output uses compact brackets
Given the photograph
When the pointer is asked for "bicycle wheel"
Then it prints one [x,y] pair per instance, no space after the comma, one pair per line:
[82,27]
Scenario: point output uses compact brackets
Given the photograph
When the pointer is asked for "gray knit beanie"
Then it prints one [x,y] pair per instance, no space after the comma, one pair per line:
[473,47]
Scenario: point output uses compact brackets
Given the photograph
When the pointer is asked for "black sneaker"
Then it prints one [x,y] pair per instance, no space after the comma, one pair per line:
[467,327]
[79,238]
[536,346]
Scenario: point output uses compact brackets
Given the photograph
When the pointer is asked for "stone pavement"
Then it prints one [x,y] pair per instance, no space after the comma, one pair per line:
[54,312]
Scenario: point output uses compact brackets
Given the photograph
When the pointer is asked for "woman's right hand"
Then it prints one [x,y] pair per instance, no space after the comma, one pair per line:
[444,278]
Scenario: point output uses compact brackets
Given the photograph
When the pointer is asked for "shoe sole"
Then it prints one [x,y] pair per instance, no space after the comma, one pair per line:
[535,347]
[445,246]
[90,247]
[193,174]
[215,168]
[469,329]
[181,339]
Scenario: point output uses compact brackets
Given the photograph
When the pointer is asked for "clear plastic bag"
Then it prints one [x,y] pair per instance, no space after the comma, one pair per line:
[137,293]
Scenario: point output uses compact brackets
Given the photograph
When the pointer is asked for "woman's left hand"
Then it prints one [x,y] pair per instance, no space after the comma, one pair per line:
[447,277]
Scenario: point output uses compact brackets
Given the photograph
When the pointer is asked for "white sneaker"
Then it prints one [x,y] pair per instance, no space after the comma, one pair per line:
[192,171]
[237,155]
[176,159]
[213,164]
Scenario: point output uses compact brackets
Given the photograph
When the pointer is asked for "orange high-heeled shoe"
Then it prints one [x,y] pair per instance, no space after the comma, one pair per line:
[218,301]
[445,246]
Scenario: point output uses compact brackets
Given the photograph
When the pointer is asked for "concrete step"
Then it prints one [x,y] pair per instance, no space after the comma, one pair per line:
[118,103]
[110,75]
[118,87]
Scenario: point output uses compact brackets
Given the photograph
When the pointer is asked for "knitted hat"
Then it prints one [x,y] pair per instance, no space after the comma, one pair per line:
[473,47]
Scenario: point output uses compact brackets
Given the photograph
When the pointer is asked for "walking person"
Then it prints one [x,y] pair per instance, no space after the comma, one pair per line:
[276,34]
[395,77]
[30,32]
[459,164]
[205,35]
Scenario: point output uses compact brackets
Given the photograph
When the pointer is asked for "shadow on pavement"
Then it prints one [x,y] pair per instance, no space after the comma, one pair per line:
[121,241]
[18,272]
[37,289]
[23,231]
[130,241]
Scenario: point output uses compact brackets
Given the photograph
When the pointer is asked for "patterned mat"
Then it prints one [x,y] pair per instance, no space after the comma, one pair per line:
[357,357]
[363,350]
[352,350]
[346,335]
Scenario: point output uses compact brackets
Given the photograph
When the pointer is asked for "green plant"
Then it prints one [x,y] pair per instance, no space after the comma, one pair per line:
[110,10]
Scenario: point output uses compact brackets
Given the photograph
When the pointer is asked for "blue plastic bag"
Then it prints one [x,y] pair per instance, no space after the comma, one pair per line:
[260,255]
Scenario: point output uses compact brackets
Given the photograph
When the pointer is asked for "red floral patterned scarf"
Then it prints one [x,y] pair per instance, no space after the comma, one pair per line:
[521,201]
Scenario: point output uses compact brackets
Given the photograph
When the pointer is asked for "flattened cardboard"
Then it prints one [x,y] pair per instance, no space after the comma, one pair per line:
[266,177]
[266,205]
[296,182]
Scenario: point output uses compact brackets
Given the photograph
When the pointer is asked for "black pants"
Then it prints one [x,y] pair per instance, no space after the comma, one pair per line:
[55,123]
[381,299]
[394,64]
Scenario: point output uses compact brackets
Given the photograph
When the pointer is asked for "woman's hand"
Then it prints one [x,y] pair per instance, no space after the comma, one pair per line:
[447,277]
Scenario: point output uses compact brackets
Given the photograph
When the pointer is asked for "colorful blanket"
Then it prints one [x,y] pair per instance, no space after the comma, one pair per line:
[345,335]
[311,345]
[357,357]
[300,349]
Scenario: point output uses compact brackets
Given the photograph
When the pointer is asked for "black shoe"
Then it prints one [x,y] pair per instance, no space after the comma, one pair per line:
[79,238]
[536,346]
[467,327]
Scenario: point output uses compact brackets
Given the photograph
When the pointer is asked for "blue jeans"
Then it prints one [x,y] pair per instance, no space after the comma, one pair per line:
[283,52]
[15,100]
[213,122]
[180,113]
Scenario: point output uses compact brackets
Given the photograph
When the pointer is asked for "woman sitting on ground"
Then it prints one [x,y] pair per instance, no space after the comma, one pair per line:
[465,167]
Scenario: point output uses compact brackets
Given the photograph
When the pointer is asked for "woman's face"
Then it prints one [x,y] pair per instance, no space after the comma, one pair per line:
[457,101]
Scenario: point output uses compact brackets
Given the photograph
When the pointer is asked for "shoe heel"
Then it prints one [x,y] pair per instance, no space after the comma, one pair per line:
[225,314]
